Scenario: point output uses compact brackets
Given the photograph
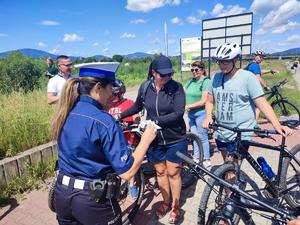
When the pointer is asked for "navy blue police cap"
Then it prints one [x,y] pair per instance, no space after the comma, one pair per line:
[106,70]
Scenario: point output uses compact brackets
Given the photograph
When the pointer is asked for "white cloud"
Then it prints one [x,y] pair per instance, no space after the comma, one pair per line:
[95,44]
[274,19]
[291,40]
[105,50]
[284,12]
[127,35]
[219,10]
[3,35]
[148,5]
[261,6]
[106,32]
[155,41]
[54,51]
[176,20]
[138,21]
[286,27]
[201,12]
[193,20]
[49,23]
[72,38]
[42,44]
[262,42]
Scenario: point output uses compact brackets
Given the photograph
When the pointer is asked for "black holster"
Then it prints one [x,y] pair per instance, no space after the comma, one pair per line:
[101,190]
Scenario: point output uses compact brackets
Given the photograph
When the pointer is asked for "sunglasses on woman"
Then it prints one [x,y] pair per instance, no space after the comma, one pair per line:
[196,69]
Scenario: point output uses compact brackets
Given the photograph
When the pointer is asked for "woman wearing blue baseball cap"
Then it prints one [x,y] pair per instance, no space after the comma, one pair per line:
[92,150]
[164,100]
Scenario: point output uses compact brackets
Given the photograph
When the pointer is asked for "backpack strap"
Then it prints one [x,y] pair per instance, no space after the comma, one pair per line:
[201,86]
[144,88]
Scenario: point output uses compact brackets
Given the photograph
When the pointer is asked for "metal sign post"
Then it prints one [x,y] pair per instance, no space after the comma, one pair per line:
[234,28]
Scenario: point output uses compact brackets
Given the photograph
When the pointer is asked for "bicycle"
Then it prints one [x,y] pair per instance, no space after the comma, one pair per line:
[129,207]
[283,107]
[238,202]
[285,186]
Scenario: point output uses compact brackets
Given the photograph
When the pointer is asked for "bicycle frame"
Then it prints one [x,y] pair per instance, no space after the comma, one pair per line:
[274,186]
[236,200]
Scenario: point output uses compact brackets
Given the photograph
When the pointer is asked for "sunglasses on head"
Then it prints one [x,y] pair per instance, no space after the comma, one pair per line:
[196,69]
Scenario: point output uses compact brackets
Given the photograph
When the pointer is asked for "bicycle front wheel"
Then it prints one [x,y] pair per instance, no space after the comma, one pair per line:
[213,199]
[290,177]
[193,142]
[128,204]
[287,112]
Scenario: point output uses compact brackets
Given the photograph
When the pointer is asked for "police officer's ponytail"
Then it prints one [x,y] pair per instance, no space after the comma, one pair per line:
[66,102]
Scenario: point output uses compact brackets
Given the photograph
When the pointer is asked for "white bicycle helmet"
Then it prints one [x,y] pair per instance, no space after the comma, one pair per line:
[260,52]
[227,51]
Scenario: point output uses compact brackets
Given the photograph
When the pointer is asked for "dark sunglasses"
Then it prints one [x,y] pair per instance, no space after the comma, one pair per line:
[224,62]
[197,69]
[66,65]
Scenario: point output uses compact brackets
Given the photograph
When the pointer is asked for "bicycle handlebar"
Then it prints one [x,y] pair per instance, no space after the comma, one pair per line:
[258,131]
[281,83]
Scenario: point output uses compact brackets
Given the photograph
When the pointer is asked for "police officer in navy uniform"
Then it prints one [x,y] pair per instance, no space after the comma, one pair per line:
[92,149]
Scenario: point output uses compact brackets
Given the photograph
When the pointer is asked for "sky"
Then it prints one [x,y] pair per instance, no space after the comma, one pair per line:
[109,27]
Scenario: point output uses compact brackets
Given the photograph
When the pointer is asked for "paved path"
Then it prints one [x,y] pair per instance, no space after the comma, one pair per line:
[33,210]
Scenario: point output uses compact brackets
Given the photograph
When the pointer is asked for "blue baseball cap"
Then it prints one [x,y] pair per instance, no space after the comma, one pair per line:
[106,70]
[163,65]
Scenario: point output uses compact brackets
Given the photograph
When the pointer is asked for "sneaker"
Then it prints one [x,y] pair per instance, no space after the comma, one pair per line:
[133,192]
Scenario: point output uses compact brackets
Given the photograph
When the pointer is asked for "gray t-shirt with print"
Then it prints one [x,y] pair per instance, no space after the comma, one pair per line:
[234,101]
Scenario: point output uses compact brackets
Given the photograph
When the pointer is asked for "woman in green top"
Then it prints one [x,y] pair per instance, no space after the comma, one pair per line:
[196,96]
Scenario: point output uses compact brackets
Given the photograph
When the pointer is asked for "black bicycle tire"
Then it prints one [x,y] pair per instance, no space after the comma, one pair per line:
[129,219]
[186,176]
[287,102]
[194,137]
[285,165]
[51,195]
[222,170]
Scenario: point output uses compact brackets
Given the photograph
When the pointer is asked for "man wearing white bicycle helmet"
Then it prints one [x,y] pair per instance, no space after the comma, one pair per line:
[235,93]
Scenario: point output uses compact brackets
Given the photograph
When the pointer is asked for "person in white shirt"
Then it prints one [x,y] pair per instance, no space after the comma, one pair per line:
[56,83]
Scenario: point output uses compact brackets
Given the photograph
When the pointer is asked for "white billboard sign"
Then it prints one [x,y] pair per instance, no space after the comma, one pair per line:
[235,28]
[190,51]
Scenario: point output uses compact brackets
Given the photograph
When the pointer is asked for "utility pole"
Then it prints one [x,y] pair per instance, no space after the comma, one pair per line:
[166,39]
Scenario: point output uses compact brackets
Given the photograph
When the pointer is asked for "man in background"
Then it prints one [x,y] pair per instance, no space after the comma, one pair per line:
[56,83]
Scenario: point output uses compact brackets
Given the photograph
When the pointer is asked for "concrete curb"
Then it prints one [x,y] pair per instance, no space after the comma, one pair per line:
[16,166]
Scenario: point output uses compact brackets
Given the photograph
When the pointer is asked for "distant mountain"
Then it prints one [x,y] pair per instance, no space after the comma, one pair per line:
[137,55]
[35,53]
[292,51]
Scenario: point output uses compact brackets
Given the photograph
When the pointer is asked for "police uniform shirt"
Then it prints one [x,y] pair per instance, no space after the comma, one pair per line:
[91,143]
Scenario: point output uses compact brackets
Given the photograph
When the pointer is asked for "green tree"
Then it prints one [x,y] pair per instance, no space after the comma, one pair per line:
[117,58]
[19,73]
